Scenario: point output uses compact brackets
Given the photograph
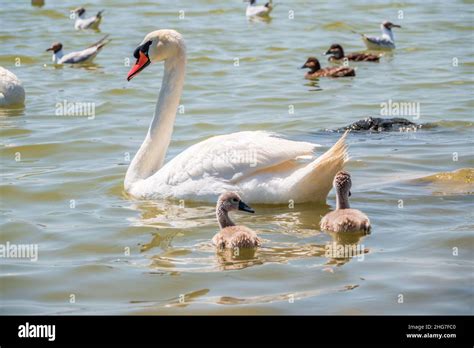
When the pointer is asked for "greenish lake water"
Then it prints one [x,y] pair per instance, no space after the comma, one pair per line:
[62,176]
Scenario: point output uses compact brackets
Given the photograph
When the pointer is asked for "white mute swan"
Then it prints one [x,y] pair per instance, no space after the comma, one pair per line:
[11,89]
[83,56]
[258,164]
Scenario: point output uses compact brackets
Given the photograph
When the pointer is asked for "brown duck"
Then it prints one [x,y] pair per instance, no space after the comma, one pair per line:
[337,53]
[316,71]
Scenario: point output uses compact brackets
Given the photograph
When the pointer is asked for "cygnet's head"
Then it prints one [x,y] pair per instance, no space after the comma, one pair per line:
[230,201]
[343,183]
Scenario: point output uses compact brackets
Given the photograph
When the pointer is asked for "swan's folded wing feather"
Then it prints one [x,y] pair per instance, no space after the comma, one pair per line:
[229,157]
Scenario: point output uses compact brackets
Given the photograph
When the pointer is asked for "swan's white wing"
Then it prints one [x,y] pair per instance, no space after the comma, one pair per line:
[11,89]
[230,157]
[259,165]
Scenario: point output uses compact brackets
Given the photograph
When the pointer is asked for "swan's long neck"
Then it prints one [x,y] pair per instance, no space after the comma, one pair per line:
[151,155]
[342,200]
[223,218]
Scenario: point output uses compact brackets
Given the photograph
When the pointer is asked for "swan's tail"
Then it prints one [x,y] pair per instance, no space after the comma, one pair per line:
[313,182]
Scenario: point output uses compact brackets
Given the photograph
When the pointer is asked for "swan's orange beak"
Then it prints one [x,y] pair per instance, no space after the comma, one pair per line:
[141,64]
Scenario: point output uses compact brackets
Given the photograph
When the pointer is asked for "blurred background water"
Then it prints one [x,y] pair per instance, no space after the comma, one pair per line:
[66,191]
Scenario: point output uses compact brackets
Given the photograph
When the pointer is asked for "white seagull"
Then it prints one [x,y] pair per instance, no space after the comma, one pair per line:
[84,56]
[87,23]
[254,10]
[263,166]
[11,89]
[385,42]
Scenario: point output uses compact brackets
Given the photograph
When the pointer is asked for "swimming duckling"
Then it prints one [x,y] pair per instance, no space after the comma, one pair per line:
[337,53]
[315,70]
[230,235]
[344,219]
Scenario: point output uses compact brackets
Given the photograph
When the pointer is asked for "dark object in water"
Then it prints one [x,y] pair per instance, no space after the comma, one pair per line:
[378,124]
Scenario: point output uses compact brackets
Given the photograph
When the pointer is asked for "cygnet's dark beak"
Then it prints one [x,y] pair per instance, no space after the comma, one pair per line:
[245,207]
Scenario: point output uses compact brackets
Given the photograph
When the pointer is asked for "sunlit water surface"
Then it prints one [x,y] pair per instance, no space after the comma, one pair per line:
[62,176]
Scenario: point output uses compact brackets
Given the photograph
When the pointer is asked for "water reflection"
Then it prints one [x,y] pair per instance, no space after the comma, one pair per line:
[37,3]
[345,247]
[85,66]
[230,259]
[314,86]
[162,241]
[256,19]
[199,296]
[182,300]
[294,235]
[9,111]
[172,214]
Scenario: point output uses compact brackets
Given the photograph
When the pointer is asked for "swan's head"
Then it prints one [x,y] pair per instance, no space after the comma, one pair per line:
[389,25]
[230,201]
[157,46]
[343,183]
